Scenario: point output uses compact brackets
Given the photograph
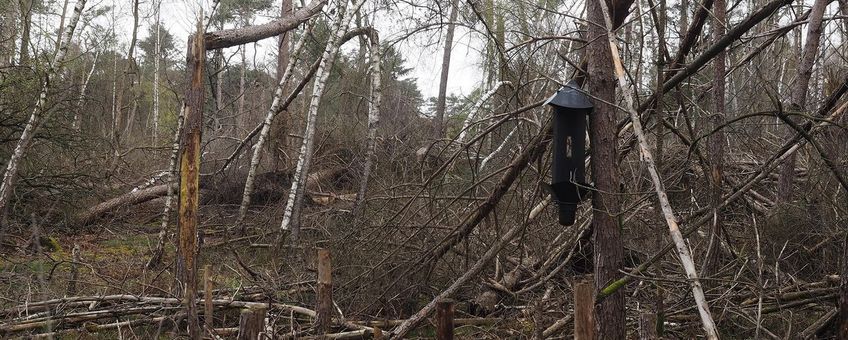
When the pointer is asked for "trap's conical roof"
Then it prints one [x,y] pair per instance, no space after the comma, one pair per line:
[570,96]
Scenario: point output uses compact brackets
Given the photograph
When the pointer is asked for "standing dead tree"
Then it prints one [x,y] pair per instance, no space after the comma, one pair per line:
[39,113]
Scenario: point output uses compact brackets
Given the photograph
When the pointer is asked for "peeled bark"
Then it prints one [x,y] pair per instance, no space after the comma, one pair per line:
[799,93]
[439,125]
[293,205]
[38,113]
[189,198]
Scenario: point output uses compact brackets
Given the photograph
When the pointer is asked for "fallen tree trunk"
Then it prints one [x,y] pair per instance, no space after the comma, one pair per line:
[271,182]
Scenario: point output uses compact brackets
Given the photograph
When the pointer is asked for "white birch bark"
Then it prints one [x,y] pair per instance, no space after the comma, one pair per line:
[276,105]
[497,150]
[157,55]
[10,175]
[476,108]
[292,209]
[77,124]
[668,213]
[373,119]
[169,199]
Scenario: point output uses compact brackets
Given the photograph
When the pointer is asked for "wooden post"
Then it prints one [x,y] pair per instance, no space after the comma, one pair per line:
[648,326]
[584,308]
[324,308]
[444,319]
[72,282]
[251,323]
[190,179]
[208,318]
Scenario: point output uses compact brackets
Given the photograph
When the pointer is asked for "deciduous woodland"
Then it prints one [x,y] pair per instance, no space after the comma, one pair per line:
[356,169]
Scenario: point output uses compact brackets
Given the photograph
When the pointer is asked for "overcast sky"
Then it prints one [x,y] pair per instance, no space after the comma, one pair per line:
[423,53]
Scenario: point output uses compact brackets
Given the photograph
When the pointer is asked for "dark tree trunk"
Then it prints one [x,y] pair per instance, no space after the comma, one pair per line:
[439,126]
[799,94]
[608,247]
[716,141]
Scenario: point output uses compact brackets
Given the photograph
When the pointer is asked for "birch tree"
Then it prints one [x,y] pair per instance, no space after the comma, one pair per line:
[298,187]
[39,112]
[273,112]
[373,118]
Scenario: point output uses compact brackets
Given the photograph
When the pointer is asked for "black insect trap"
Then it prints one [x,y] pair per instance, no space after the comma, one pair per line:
[570,108]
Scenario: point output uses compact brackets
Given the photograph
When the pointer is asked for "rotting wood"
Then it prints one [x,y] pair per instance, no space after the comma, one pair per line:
[584,309]
[444,319]
[324,306]
[252,323]
[190,179]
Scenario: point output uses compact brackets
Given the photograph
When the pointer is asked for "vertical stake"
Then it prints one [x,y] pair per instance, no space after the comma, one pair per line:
[444,319]
[325,292]
[207,301]
[584,308]
[251,323]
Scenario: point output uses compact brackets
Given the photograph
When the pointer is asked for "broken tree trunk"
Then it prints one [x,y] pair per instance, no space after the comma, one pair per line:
[190,179]
[39,112]
[665,205]
[239,36]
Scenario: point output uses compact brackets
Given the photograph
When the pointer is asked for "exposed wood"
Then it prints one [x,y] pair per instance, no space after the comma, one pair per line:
[251,323]
[444,319]
[190,179]
[584,308]
[324,306]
